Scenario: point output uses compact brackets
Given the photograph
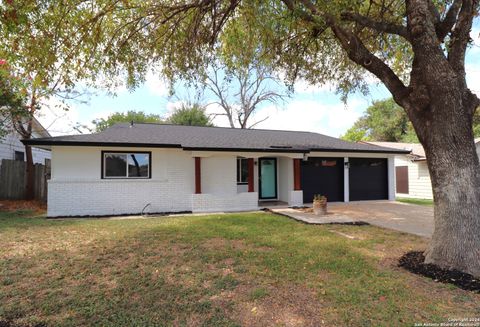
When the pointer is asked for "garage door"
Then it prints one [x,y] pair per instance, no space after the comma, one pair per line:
[368,179]
[322,176]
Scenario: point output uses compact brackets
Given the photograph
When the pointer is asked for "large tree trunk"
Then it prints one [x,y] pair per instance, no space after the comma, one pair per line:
[445,130]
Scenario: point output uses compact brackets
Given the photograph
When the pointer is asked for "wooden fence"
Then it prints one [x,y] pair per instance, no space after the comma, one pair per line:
[13,180]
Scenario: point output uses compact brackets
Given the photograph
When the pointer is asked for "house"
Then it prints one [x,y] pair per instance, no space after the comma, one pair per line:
[12,148]
[159,168]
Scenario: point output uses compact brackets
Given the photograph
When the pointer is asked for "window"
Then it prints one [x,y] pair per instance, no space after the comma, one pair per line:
[19,156]
[242,171]
[126,165]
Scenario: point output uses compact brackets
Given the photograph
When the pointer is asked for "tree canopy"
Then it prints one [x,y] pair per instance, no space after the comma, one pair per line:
[383,121]
[12,100]
[191,114]
[125,117]
[386,121]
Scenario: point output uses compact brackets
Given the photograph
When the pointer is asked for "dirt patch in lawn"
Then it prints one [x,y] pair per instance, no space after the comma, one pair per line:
[414,262]
[39,208]
[288,305]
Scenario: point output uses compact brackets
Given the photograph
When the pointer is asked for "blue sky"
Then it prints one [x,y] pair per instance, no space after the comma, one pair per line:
[311,108]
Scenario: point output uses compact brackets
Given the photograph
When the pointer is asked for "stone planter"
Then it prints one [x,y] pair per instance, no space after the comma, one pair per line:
[320,206]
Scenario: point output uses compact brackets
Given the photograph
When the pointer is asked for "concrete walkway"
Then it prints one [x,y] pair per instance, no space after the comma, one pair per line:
[408,218]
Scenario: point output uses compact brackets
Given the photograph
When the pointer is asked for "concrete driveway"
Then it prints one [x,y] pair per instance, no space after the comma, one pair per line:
[408,218]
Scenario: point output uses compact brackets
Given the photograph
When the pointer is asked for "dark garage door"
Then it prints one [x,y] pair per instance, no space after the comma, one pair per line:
[322,176]
[368,179]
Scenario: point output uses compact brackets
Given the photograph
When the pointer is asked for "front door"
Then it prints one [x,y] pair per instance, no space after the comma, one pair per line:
[268,178]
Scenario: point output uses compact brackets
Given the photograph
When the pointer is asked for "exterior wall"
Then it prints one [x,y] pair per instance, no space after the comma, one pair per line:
[220,191]
[226,202]
[391,178]
[419,184]
[11,143]
[284,178]
[76,187]
[285,183]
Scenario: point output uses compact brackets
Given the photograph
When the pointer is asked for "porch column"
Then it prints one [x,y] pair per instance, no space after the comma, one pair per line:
[296,175]
[250,174]
[198,175]
[346,182]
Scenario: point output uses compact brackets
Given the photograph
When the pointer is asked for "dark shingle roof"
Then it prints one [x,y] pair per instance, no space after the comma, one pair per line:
[210,138]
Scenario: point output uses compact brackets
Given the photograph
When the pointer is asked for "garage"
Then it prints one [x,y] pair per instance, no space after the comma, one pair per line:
[368,179]
[322,176]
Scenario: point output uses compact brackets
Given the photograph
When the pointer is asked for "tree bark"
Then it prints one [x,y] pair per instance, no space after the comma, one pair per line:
[440,106]
[445,131]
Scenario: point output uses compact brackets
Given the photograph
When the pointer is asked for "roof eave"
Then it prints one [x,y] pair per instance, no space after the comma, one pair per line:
[39,142]
[386,151]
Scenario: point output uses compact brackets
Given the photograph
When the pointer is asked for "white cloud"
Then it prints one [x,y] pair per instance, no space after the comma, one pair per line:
[303,86]
[56,119]
[217,112]
[302,115]
[156,84]
[473,77]
[59,121]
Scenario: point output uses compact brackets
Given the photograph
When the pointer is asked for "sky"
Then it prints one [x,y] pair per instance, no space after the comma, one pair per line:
[310,108]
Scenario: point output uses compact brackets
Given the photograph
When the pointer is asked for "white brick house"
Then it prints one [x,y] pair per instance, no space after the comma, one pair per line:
[129,169]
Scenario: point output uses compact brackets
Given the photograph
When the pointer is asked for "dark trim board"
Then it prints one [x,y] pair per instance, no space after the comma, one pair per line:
[260,179]
[101,144]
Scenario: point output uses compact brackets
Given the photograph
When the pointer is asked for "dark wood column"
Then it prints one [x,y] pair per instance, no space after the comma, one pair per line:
[198,175]
[250,175]
[296,175]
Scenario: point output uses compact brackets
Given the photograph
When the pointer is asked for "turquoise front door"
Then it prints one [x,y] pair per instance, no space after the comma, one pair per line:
[268,178]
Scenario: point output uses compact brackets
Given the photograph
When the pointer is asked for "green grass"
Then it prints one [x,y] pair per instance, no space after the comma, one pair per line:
[215,270]
[423,202]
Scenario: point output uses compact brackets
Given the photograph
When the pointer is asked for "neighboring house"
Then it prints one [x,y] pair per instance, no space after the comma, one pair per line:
[11,147]
[412,176]
[134,168]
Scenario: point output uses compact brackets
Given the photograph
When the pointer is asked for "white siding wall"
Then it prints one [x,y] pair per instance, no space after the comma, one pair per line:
[11,143]
[285,183]
[285,178]
[76,187]
[419,184]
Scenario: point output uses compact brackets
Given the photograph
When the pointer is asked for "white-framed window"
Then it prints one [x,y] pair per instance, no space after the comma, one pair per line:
[116,164]
[242,171]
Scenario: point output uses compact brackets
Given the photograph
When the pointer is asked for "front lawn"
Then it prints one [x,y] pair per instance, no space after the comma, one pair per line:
[216,270]
[422,202]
